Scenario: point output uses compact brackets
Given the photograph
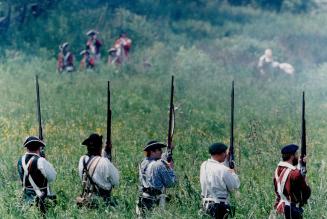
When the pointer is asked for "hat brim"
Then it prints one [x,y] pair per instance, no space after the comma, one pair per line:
[112,50]
[91,32]
[154,146]
[41,143]
[86,142]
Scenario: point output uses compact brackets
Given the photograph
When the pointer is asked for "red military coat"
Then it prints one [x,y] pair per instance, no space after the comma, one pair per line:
[296,189]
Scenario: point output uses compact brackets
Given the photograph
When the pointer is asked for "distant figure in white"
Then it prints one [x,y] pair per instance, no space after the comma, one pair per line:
[266,62]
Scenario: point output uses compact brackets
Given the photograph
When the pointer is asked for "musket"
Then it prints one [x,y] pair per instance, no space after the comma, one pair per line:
[109,142]
[38,110]
[231,160]
[50,195]
[171,122]
[303,167]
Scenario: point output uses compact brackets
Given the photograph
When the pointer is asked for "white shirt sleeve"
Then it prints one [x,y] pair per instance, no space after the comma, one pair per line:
[111,173]
[203,181]
[81,166]
[231,180]
[46,169]
[261,60]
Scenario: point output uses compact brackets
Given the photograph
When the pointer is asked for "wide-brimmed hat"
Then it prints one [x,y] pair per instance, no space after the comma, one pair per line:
[92,32]
[152,145]
[94,140]
[33,140]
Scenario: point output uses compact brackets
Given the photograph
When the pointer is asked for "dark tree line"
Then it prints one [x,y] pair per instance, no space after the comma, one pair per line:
[295,6]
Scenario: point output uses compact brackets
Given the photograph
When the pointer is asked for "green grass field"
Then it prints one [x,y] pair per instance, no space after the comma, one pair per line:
[267,112]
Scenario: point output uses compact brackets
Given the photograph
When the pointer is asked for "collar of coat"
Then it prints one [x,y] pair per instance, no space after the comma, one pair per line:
[287,165]
[215,161]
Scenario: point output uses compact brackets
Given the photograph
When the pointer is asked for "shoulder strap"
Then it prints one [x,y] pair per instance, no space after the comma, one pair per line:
[142,172]
[281,181]
[26,168]
[90,166]
[93,165]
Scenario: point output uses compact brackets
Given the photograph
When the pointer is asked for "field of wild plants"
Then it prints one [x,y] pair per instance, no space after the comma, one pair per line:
[205,56]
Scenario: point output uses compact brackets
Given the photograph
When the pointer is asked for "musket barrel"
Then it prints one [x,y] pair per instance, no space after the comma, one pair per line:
[231,147]
[303,138]
[109,149]
[171,119]
[38,107]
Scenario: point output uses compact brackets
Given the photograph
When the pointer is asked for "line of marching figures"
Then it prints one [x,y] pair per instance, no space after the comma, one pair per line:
[218,177]
[117,54]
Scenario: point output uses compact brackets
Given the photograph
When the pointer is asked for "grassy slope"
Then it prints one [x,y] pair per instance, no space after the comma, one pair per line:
[267,113]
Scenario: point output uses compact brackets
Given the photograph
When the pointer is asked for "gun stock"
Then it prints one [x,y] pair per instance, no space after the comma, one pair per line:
[171,122]
[303,167]
[231,146]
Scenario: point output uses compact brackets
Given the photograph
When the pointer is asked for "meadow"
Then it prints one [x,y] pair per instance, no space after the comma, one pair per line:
[205,56]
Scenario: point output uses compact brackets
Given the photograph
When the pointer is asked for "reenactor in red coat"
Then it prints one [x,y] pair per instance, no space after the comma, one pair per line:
[65,60]
[93,45]
[118,54]
[87,60]
[291,187]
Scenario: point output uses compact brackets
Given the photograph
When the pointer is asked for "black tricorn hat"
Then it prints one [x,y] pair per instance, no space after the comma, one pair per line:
[94,140]
[65,44]
[83,52]
[152,145]
[112,50]
[33,140]
[92,32]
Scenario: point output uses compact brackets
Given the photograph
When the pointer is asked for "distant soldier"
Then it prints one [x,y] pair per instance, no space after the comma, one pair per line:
[65,59]
[217,181]
[118,54]
[35,173]
[267,65]
[99,176]
[291,188]
[93,45]
[87,61]
[155,175]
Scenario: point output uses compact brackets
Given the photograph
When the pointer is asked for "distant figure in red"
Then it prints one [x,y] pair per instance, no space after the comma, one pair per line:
[93,45]
[118,54]
[65,59]
[87,62]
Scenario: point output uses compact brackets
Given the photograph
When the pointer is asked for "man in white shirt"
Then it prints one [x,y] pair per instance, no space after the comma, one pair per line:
[217,180]
[35,173]
[97,173]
